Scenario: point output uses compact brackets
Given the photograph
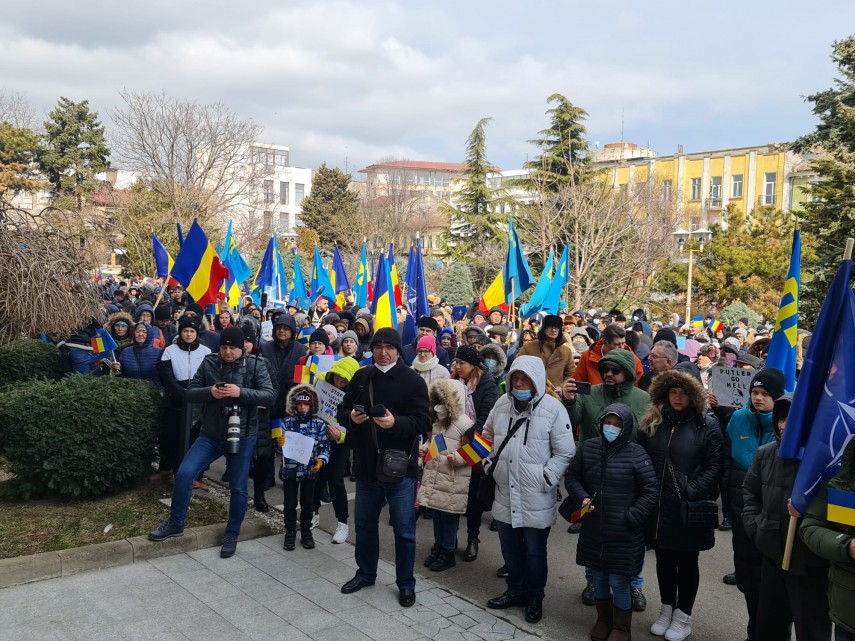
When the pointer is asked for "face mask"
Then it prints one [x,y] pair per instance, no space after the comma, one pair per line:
[610,432]
[521,394]
[441,412]
[491,363]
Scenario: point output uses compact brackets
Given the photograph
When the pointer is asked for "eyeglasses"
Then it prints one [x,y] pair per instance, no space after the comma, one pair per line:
[423,352]
[652,355]
[612,370]
[385,347]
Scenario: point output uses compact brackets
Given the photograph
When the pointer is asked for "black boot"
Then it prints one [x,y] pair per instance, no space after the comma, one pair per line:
[444,561]
[306,538]
[534,609]
[434,552]
[471,552]
[260,503]
[290,540]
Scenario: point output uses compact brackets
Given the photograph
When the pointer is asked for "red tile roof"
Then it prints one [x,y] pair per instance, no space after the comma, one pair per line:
[454,167]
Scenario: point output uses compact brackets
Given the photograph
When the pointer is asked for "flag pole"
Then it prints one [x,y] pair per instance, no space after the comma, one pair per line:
[794,520]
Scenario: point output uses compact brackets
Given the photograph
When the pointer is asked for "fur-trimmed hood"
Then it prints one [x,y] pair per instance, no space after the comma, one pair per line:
[452,394]
[125,316]
[495,351]
[291,406]
[674,378]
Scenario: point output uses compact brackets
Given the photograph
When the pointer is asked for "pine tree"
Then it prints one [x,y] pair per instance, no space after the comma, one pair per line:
[456,286]
[830,218]
[563,144]
[331,204]
[73,149]
[17,150]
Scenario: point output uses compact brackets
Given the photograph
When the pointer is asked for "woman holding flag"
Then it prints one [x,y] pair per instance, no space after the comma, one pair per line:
[445,480]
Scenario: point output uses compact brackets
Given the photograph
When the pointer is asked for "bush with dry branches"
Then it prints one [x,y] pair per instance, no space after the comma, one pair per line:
[46,282]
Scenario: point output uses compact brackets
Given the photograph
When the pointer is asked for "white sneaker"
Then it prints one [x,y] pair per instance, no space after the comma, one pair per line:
[316,520]
[663,622]
[681,626]
[341,532]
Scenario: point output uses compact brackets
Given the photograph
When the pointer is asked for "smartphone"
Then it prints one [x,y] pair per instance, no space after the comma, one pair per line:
[583,388]
[359,408]
[377,411]
[220,384]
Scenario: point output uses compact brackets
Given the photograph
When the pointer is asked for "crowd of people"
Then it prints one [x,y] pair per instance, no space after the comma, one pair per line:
[619,413]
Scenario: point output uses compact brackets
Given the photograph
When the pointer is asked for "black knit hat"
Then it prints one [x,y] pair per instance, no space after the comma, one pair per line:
[389,336]
[162,313]
[666,334]
[469,355]
[233,337]
[195,307]
[193,322]
[770,379]
[248,332]
[319,336]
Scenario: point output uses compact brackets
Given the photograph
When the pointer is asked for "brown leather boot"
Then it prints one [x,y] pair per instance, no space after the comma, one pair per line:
[603,627]
[621,626]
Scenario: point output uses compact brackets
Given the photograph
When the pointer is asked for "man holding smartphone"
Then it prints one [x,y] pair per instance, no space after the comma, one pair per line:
[385,407]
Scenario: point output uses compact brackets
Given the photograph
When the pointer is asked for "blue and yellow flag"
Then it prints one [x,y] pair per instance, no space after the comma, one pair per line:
[383,308]
[321,284]
[541,290]
[782,349]
[338,278]
[298,296]
[363,278]
[841,506]
[518,276]
[198,268]
[556,289]
[239,271]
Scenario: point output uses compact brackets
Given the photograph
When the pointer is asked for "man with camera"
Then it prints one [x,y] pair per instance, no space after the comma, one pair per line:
[231,386]
[385,410]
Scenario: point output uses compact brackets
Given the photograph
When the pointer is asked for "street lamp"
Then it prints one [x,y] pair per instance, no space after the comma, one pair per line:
[692,242]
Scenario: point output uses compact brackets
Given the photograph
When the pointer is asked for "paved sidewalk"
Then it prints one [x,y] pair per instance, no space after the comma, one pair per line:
[262,593]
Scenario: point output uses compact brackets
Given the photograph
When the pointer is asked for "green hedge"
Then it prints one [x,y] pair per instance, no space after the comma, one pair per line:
[80,436]
[27,358]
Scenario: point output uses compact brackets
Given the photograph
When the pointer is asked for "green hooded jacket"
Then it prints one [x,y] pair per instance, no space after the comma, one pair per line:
[585,410]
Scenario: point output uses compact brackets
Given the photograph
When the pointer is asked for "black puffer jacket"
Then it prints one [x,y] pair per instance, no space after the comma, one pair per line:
[692,440]
[247,372]
[768,485]
[622,478]
[282,360]
[264,438]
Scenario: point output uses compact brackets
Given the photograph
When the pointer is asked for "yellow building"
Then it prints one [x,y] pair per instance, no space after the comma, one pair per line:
[701,185]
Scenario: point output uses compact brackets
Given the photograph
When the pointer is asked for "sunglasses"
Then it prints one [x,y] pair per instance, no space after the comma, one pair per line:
[612,370]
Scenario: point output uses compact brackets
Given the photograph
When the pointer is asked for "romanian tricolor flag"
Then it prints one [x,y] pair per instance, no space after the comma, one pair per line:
[198,268]
[578,514]
[383,307]
[841,506]
[437,445]
[393,272]
[495,295]
[103,342]
[476,450]
[716,326]
[302,375]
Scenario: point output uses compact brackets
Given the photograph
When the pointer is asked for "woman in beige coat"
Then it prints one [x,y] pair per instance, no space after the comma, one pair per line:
[445,478]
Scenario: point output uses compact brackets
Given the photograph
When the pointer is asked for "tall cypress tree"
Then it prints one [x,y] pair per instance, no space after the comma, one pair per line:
[830,217]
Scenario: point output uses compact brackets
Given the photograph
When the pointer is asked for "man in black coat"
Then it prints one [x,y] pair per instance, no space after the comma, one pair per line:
[399,398]
[427,326]
[283,352]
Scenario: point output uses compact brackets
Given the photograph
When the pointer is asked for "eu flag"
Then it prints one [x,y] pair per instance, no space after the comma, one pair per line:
[821,421]
[782,349]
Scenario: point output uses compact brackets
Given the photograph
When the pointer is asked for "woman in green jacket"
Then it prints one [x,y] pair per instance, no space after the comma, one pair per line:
[835,542]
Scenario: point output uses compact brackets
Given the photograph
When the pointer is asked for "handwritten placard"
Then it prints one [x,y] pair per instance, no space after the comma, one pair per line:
[731,386]
[330,397]
[298,447]
[267,330]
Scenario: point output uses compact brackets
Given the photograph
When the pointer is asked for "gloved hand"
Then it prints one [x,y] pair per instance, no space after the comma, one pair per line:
[317,466]
[280,441]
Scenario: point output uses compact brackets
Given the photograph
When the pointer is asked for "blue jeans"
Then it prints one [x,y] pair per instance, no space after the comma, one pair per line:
[369,502]
[636,582]
[613,586]
[204,451]
[445,527]
[840,634]
[524,552]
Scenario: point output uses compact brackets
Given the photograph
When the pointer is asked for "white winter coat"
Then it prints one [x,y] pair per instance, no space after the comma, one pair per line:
[445,486]
[531,466]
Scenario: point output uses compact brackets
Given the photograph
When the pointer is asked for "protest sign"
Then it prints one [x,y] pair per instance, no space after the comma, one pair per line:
[330,397]
[267,331]
[731,386]
[298,447]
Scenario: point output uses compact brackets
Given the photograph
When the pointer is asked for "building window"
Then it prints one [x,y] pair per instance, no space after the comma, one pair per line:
[281,158]
[624,188]
[667,187]
[283,193]
[270,158]
[268,221]
[299,190]
[268,192]
[715,192]
[736,187]
[696,189]
[769,188]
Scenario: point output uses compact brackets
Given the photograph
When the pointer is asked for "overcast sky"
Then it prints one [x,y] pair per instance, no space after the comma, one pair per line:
[365,80]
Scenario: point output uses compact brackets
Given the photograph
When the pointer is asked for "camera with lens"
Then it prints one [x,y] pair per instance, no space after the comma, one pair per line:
[233,431]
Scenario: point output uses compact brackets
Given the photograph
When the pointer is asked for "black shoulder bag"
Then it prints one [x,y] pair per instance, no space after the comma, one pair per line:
[695,515]
[391,463]
[487,485]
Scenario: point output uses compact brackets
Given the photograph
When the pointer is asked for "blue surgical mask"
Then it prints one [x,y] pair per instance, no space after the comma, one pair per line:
[491,363]
[521,394]
[610,432]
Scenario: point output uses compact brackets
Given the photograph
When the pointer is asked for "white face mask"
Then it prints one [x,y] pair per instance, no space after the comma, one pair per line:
[441,412]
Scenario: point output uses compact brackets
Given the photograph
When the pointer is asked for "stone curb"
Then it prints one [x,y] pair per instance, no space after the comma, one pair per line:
[50,565]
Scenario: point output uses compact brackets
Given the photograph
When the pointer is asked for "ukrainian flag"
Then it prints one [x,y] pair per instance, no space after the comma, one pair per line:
[782,349]
[198,268]
[841,506]
[383,308]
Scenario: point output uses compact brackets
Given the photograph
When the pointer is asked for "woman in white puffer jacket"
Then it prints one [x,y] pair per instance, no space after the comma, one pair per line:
[527,476]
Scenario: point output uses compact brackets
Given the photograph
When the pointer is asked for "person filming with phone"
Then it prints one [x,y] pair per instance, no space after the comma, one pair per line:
[231,385]
[385,411]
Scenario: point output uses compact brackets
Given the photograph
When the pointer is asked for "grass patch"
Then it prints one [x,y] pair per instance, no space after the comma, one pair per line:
[30,527]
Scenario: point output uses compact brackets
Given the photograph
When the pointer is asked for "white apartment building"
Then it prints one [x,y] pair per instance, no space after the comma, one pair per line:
[277,196]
